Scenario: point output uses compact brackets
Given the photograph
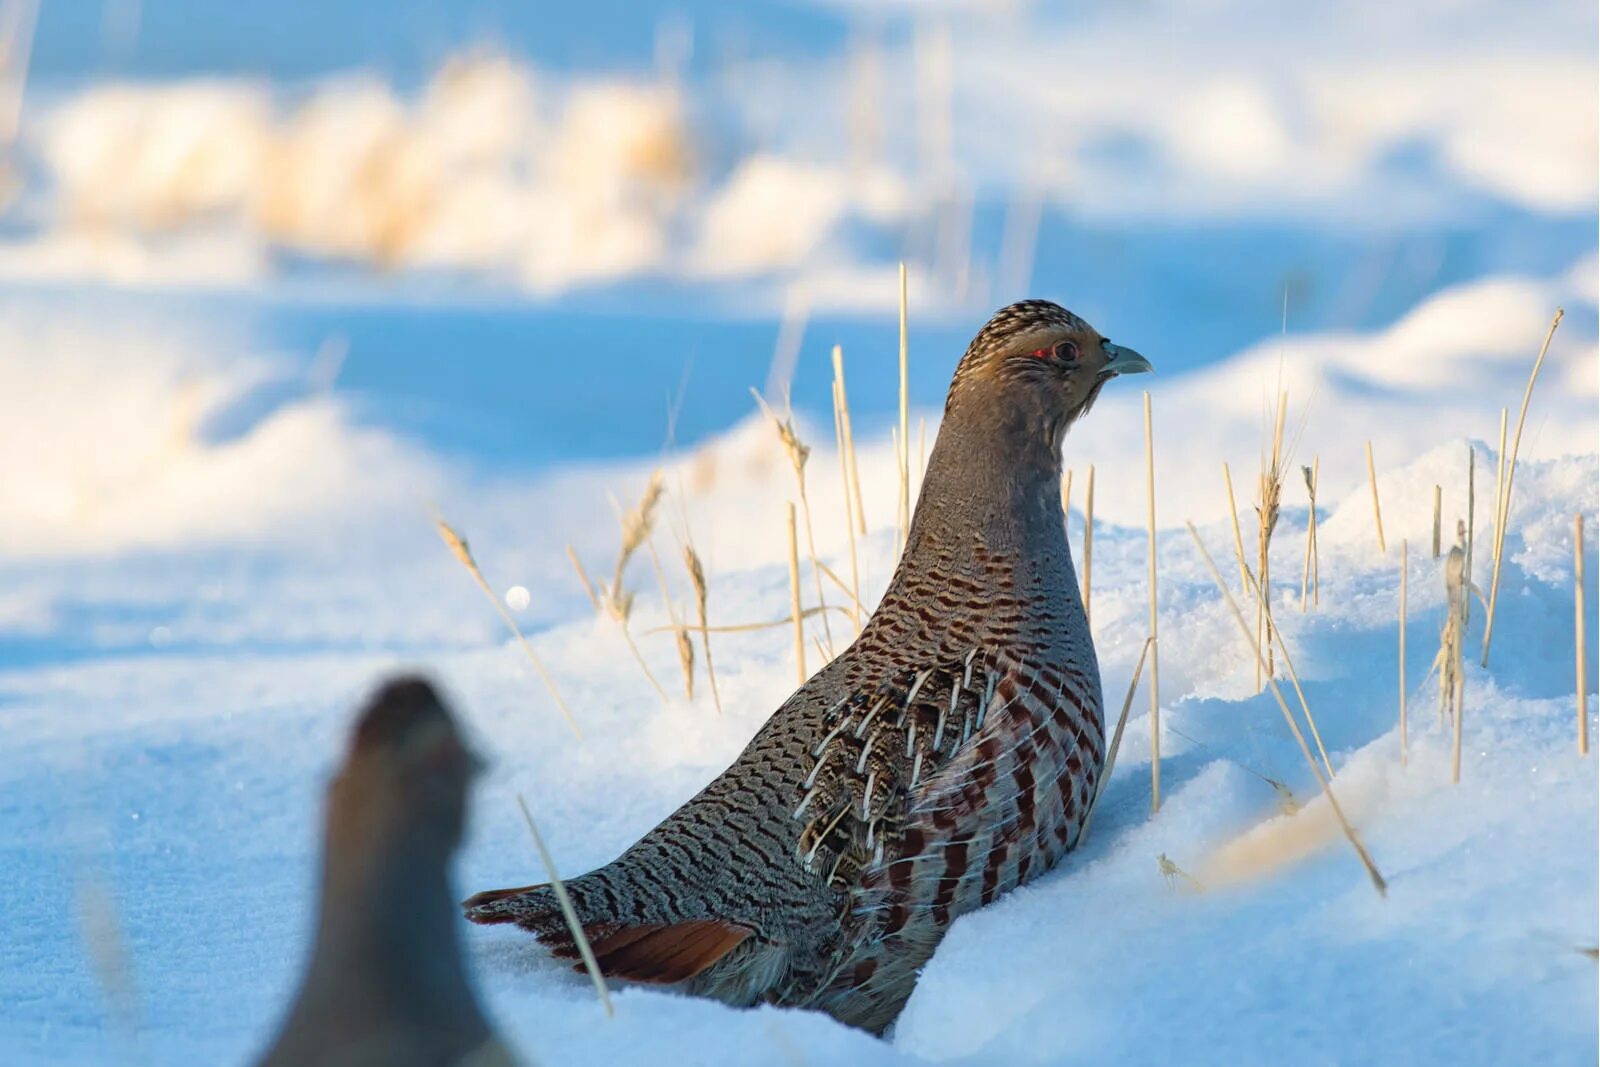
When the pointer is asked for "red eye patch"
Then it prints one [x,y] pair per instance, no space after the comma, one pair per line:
[1042,353]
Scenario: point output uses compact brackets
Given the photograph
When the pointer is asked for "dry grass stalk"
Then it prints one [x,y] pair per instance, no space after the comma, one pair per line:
[753,627]
[573,925]
[856,606]
[583,577]
[1294,728]
[1578,628]
[799,452]
[1499,486]
[794,602]
[636,526]
[1403,562]
[1238,541]
[1439,493]
[905,421]
[849,504]
[1269,492]
[1088,544]
[458,548]
[1310,574]
[1155,651]
[1116,739]
[1505,495]
[680,632]
[1066,499]
[616,599]
[1472,495]
[697,581]
[1276,634]
[1448,659]
[849,440]
[1377,509]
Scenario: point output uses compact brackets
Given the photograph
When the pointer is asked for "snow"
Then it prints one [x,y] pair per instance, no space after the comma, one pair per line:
[219,624]
[212,544]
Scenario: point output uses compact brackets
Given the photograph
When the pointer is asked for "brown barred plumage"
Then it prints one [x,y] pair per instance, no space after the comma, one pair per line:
[947,756]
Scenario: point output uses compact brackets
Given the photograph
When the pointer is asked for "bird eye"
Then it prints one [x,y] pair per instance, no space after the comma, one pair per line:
[1066,351]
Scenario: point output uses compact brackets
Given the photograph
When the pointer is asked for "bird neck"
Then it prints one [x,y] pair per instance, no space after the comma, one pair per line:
[992,492]
[387,922]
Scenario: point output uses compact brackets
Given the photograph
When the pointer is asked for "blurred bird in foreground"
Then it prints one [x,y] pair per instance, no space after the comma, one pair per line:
[950,754]
[386,983]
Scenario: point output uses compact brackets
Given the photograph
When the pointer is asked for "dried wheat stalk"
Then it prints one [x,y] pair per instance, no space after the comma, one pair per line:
[567,912]
[1155,651]
[1505,496]
[1088,545]
[1269,490]
[697,580]
[905,422]
[458,547]
[799,452]
[1276,634]
[1377,509]
[616,599]
[794,602]
[1437,498]
[1309,575]
[1294,728]
[583,577]
[1238,541]
[1116,739]
[849,504]
[849,440]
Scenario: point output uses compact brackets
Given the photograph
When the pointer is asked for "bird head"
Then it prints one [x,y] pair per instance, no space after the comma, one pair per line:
[1045,359]
[405,776]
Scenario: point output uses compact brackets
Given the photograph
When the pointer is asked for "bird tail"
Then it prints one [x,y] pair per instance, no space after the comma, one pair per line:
[657,952]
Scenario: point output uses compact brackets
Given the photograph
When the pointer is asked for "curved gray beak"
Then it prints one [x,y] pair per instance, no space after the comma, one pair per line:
[1121,360]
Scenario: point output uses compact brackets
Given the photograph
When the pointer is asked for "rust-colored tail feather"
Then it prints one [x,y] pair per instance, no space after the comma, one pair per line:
[665,954]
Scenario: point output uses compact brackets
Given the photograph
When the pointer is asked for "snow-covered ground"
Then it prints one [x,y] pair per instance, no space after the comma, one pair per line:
[185,652]
[231,405]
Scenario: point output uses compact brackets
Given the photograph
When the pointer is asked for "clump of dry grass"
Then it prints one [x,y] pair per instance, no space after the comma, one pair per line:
[458,548]
[1504,496]
[559,887]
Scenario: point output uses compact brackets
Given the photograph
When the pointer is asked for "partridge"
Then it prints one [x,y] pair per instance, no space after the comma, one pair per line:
[949,755]
[386,984]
